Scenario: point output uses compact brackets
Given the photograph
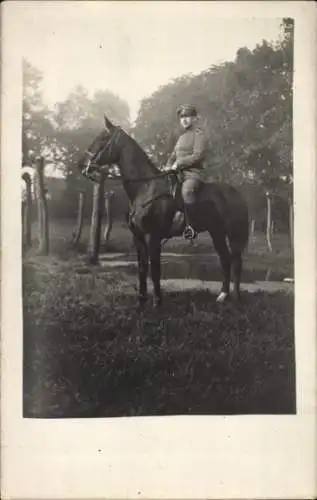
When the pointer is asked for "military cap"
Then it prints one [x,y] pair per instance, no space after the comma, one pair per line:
[186,110]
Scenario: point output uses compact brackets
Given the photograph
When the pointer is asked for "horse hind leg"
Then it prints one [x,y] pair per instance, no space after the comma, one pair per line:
[225,260]
[236,261]
[237,243]
[155,260]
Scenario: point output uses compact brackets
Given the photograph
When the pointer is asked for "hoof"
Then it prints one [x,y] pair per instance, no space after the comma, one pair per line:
[222,297]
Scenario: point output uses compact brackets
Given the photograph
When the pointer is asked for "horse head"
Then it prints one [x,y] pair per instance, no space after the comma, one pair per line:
[102,152]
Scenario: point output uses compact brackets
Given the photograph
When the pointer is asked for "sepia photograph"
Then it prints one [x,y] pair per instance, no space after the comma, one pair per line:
[157,214]
[158,272]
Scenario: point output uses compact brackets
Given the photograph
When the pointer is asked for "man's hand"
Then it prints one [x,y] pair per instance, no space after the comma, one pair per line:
[175,165]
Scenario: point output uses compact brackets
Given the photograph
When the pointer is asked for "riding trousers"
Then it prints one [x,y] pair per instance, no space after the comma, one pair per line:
[189,190]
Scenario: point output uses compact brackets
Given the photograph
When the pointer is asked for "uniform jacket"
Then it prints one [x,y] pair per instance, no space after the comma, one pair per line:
[190,151]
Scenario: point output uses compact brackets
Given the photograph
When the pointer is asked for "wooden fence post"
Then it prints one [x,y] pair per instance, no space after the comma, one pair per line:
[291,224]
[42,208]
[27,212]
[96,220]
[269,221]
[252,229]
[109,216]
[80,219]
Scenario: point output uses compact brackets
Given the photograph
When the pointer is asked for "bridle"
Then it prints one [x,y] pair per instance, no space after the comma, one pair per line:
[93,157]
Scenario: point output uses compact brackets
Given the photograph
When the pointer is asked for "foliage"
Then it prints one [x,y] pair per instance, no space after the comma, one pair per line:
[79,118]
[63,133]
[246,111]
[37,126]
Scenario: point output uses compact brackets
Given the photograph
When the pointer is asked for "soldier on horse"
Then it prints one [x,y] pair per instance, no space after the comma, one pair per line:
[188,158]
[217,208]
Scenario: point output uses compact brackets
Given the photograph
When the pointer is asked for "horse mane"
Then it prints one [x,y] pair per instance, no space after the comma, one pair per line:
[142,153]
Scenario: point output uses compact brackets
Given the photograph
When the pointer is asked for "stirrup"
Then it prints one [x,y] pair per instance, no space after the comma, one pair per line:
[189,233]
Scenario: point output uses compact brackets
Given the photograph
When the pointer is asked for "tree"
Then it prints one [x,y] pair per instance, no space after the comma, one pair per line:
[80,220]
[42,208]
[37,125]
[109,195]
[27,211]
[246,106]
[78,120]
[96,218]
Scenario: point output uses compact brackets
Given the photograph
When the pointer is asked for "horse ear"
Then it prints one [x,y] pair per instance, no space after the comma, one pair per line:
[109,126]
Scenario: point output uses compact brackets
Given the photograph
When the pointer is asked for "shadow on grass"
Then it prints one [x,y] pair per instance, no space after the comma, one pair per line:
[91,354]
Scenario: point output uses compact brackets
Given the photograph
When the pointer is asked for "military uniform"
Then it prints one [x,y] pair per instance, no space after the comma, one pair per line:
[189,152]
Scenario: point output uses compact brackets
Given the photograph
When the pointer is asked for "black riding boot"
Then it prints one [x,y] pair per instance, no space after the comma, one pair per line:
[189,231]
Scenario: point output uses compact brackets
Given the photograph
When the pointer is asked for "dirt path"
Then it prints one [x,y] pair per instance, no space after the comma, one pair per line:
[114,260]
[214,286]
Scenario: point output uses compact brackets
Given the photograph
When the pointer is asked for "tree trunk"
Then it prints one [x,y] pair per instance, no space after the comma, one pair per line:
[27,212]
[42,209]
[252,229]
[268,274]
[269,221]
[80,219]
[291,226]
[96,219]
[109,217]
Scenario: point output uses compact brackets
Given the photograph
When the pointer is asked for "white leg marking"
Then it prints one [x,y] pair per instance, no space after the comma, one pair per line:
[222,297]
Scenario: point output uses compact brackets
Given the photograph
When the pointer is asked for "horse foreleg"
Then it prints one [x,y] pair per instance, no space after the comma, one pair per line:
[143,265]
[225,260]
[155,259]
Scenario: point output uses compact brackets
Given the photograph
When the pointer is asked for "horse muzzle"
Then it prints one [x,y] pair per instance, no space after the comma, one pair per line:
[89,168]
[89,171]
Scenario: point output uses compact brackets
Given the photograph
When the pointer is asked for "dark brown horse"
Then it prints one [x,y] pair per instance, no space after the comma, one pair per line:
[220,209]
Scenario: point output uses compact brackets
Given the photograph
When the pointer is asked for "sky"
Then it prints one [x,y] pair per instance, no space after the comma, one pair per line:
[130,48]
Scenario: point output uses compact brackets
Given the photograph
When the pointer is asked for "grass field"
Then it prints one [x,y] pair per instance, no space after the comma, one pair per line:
[88,353]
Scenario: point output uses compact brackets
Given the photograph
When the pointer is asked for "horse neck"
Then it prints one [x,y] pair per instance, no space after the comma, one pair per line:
[135,165]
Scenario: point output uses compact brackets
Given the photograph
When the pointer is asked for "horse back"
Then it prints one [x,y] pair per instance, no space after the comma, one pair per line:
[222,194]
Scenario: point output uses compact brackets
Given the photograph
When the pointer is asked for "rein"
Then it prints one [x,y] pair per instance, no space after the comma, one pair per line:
[92,158]
[159,175]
